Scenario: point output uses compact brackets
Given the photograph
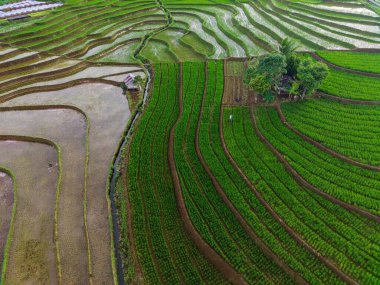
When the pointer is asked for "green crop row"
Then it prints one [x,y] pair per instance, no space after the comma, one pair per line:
[328,228]
[250,208]
[367,62]
[352,130]
[344,181]
[165,253]
[324,13]
[352,86]
[211,217]
[303,27]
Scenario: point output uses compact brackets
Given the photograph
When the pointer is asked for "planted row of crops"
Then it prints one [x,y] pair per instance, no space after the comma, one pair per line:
[342,11]
[165,253]
[352,86]
[261,26]
[367,62]
[205,202]
[328,228]
[102,27]
[210,216]
[352,130]
[207,179]
[346,182]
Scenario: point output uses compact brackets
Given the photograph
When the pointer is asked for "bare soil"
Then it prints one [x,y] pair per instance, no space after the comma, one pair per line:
[236,92]
[32,254]
[67,128]
[6,203]
[108,112]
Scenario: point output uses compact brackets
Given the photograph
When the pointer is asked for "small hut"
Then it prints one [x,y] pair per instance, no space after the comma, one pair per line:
[129,82]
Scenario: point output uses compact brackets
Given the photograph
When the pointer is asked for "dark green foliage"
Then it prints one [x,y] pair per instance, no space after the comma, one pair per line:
[265,73]
[310,75]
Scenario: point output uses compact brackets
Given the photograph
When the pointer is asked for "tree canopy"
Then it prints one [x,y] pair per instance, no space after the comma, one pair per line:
[284,70]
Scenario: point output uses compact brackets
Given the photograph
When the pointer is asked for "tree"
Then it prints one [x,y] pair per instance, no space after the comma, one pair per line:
[310,75]
[260,83]
[288,48]
[264,75]
[138,80]
[294,89]
[273,66]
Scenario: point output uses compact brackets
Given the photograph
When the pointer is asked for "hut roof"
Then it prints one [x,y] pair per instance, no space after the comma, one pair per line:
[129,81]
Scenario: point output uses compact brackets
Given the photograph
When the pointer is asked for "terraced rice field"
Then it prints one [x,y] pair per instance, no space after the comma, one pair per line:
[192,179]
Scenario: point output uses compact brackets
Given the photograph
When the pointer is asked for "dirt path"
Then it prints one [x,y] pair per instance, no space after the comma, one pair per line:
[230,273]
[345,100]
[301,181]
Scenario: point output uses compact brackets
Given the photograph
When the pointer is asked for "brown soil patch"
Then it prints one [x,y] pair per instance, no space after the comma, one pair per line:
[32,252]
[235,91]
[108,112]
[6,204]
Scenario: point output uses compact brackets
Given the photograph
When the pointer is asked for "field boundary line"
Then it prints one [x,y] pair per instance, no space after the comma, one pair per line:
[11,226]
[58,190]
[342,68]
[55,87]
[346,100]
[321,146]
[287,228]
[301,181]
[225,268]
[137,119]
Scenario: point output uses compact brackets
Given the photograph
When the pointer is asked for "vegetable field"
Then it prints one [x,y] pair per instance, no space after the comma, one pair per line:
[133,149]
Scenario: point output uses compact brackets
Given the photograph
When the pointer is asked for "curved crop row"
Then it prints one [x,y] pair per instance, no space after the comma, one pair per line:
[165,253]
[353,60]
[349,129]
[244,29]
[351,86]
[210,216]
[321,223]
[346,182]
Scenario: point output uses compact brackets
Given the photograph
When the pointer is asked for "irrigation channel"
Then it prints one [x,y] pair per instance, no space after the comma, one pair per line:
[115,175]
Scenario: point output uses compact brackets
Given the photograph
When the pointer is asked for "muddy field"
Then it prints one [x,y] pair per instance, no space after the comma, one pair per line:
[6,203]
[236,92]
[32,257]
[107,113]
